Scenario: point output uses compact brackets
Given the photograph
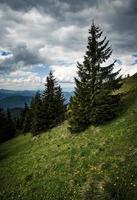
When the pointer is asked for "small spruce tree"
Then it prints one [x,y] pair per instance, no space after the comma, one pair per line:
[94,100]
[53,103]
[60,107]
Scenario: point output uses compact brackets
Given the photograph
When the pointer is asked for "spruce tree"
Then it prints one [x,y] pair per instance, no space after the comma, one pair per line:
[49,102]
[53,103]
[94,100]
[60,107]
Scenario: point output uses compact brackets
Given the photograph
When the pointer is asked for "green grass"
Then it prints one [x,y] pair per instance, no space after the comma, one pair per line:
[130,84]
[98,164]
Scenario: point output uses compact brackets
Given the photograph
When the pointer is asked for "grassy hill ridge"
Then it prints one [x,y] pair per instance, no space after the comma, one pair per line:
[98,164]
[130,84]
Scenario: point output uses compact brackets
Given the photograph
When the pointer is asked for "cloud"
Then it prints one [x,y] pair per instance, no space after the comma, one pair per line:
[54,33]
[21,80]
[128,64]
[64,74]
[59,55]
[21,57]
[19,73]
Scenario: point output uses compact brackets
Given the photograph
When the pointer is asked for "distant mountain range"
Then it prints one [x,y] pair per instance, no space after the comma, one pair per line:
[16,99]
[9,93]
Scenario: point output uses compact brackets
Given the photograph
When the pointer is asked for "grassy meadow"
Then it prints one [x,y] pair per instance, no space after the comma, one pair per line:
[98,164]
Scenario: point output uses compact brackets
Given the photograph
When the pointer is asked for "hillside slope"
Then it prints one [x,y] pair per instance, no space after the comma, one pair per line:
[130,84]
[98,164]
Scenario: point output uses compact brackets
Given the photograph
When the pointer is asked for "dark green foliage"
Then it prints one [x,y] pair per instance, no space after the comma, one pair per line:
[47,110]
[94,101]
[7,127]
[36,114]
[27,122]
[53,103]
[17,123]
[3,121]
[26,119]
[23,123]
[23,113]
[49,101]
[60,107]
[10,124]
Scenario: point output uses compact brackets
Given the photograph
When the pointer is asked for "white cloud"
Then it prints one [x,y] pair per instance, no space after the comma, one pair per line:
[20,76]
[19,73]
[127,60]
[63,73]
[34,16]
[21,80]
[128,64]
[59,54]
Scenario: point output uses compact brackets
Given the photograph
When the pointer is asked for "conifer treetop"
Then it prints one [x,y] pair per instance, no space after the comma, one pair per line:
[98,48]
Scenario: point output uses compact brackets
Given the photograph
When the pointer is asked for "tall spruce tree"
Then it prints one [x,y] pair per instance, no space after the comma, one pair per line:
[53,103]
[94,100]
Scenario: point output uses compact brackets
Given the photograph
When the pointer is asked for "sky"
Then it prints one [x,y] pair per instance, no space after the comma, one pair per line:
[37,36]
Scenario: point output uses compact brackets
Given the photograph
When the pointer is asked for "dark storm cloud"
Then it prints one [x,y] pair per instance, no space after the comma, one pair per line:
[54,7]
[132,7]
[22,53]
[123,25]
[55,31]
[17,4]
[124,17]
[75,5]
[21,56]
[120,15]
[50,5]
